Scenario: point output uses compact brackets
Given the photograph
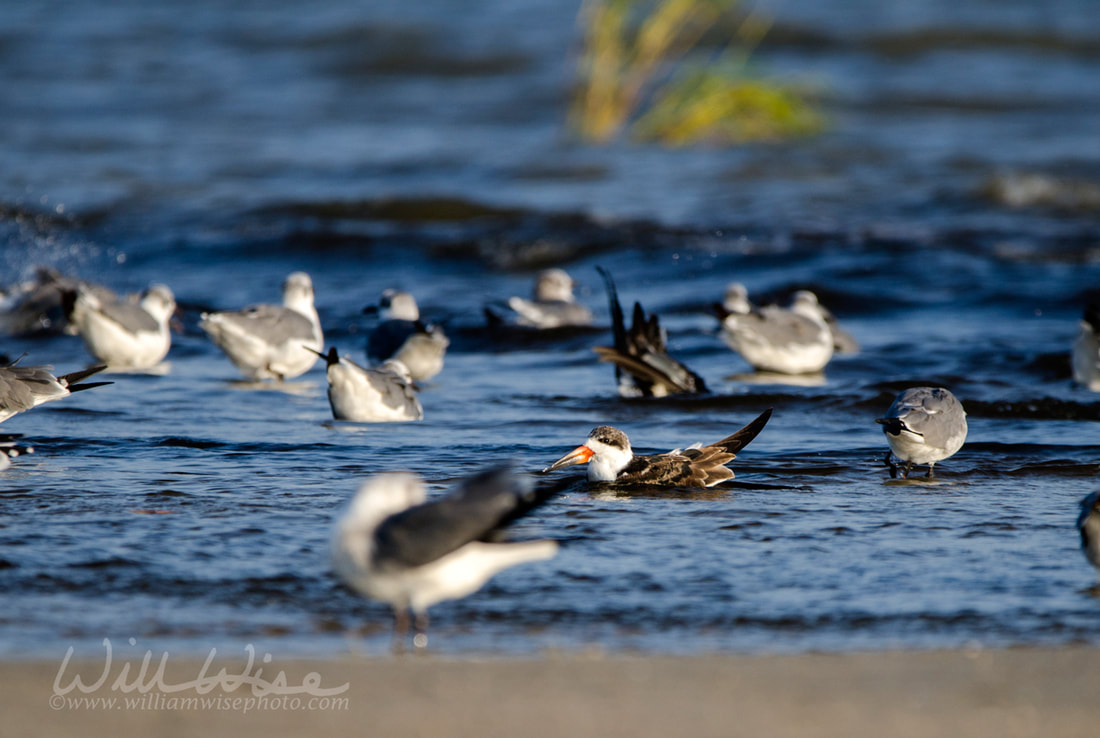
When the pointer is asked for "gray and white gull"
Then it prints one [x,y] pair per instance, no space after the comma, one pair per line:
[395,546]
[794,340]
[736,301]
[924,425]
[402,335]
[25,387]
[35,306]
[271,341]
[382,395]
[123,333]
[553,304]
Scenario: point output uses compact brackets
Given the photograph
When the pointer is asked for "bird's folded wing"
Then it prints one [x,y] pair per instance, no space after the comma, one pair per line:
[481,504]
[130,316]
[654,369]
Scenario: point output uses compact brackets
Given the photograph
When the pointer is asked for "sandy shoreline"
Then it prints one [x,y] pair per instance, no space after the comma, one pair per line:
[1017,692]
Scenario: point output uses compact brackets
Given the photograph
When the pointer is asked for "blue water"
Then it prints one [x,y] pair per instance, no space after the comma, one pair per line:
[423,146]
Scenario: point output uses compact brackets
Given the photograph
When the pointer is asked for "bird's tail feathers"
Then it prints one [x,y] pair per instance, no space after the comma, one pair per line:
[618,325]
[734,443]
[521,552]
[332,357]
[71,381]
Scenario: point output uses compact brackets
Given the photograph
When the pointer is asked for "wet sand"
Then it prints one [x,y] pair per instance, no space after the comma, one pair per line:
[1016,692]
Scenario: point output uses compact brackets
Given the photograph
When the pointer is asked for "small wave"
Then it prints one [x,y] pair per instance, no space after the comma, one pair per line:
[1044,191]
[175,441]
[931,38]
[114,561]
[1043,408]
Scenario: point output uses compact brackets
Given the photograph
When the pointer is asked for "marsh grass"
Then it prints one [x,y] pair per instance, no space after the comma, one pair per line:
[644,70]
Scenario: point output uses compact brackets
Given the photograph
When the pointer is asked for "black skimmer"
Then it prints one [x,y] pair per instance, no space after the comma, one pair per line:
[1088,523]
[381,395]
[610,459]
[553,306]
[24,387]
[923,425]
[271,341]
[403,336]
[1086,350]
[643,367]
[774,339]
[394,546]
[123,334]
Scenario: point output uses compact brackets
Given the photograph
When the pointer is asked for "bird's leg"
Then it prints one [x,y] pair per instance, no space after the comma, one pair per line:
[908,468]
[930,473]
[420,639]
[400,628]
[891,465]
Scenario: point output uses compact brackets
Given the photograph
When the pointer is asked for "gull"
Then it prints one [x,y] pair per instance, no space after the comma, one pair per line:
[403,336]
[553,306]
[610,459]
[394,546]
[10,448]
[1088,523]
[736,301]
[843,341]
[923,425]
[643,367]
[24,387]
[271,341]
[381,395]
[794,340]
[34,307]
[124,334]
[1086,350]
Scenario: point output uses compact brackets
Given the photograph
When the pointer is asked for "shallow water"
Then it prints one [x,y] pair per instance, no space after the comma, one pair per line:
[219,150]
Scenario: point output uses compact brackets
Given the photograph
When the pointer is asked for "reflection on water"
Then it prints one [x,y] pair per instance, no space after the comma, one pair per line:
[157,370]
[301,388]
[794,380]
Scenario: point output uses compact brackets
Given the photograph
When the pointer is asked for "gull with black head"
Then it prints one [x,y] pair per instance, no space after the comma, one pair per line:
[610,458]
[923,425]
